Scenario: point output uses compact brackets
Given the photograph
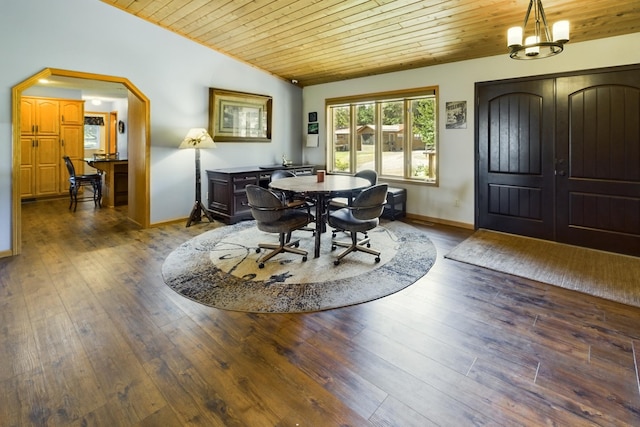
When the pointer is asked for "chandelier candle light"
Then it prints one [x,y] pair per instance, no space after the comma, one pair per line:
[534,47]
[198,138]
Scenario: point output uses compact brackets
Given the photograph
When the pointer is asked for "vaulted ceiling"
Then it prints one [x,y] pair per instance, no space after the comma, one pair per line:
[320,41]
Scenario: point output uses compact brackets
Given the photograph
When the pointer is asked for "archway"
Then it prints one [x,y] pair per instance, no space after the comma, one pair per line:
[139,148]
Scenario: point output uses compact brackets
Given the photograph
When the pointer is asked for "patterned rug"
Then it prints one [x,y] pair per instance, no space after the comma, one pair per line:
[218,268]
[603,274]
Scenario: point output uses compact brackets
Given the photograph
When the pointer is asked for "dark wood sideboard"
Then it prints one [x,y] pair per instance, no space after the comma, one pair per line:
[226,196]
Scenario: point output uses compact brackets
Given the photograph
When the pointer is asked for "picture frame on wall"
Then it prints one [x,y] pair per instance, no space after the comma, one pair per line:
[313,117]
[239,116]
[456,114]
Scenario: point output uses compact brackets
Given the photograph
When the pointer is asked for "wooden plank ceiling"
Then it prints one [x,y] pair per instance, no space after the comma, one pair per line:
[320,41]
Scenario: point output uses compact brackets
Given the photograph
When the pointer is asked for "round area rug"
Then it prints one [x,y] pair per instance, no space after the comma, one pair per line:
[218,268]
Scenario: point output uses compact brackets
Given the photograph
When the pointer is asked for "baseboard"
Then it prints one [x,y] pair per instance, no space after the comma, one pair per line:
[7,253]
[427,219]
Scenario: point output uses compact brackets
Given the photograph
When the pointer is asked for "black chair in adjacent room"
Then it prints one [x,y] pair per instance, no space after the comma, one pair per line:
[272,215]
[361,216]
[94,181]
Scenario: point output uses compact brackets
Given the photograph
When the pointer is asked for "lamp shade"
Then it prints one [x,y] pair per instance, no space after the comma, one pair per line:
[197,138]
[561,31]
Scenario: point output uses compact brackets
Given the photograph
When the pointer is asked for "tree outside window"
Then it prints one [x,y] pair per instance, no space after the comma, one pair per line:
[392,134]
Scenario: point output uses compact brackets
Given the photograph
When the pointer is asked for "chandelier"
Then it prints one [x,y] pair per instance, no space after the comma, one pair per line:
[534,46]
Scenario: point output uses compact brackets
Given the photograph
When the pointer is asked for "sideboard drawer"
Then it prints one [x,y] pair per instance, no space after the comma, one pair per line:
[227,197]
[241,181]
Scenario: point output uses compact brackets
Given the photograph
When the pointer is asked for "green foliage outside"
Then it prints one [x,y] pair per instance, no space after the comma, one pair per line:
[423,118]
[422,110]
[424,121]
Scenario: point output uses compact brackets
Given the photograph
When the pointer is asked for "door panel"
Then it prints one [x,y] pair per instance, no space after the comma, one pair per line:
[598,150]
[515,158]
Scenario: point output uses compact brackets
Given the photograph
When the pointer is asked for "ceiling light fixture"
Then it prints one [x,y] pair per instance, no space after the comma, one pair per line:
[534,47]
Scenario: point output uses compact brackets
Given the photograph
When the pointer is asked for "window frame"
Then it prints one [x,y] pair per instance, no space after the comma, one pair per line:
[406,96]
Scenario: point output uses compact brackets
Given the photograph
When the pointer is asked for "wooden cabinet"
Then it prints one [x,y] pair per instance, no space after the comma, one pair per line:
[71,112]
[45,138]
[72,145]
[27,166]
[40,165]
[40,116]
[227,198]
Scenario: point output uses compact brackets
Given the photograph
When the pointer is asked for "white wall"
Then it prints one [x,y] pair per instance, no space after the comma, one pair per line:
[456,82]
[173,72]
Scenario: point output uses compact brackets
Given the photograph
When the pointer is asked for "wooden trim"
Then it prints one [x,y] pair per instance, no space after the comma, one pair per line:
[142,173]
[427,219]
[406,93]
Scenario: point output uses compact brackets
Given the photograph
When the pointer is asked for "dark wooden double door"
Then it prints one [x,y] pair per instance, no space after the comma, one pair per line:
[558,158]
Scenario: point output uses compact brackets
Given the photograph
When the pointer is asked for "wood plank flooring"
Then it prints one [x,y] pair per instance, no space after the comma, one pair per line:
[91,336]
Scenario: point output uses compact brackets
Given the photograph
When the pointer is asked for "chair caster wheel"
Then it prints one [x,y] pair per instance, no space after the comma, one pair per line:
[261,265]
[368,245]
[333,235]
[377,259]
[304,258]
[257,250]
[336,262]
[296,245]
[333,247]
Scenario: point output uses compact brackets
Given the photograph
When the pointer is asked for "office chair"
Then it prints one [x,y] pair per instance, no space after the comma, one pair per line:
[344,200]
[274,216]
[361,216]
[292,199]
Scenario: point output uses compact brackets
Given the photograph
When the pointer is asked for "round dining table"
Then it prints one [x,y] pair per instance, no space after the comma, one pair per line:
[309,186]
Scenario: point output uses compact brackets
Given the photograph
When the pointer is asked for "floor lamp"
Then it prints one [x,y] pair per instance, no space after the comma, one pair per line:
[198,138]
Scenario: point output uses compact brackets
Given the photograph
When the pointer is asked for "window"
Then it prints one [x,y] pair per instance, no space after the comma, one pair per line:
[93,131]
[392,133]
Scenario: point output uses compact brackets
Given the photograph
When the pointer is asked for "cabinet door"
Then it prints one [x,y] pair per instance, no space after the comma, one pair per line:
[72,145]
[47,153]
[47,117]
[72,141]
[28,116]
[27,166]
[72,112]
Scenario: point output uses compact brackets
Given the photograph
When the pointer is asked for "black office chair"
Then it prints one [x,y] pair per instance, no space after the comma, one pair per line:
[291,198]
[344,200]
[361,216]
[77,181]
[274,216]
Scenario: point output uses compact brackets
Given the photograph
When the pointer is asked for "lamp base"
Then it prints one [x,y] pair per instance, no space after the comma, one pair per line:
[197,212]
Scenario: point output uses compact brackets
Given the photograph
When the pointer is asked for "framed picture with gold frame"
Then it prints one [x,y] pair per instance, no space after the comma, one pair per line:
[239,116]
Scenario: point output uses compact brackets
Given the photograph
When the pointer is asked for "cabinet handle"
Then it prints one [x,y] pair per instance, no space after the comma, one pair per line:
[33,128]
[63,118]
[33,142]
[36,128]
[62,142]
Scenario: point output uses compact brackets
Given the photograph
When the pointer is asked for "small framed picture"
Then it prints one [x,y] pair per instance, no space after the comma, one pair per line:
[312,128]
[313,117]
[456,115]
[121,126]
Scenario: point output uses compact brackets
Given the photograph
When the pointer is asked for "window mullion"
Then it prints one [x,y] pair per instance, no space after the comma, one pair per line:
[408,138]
[353,129]
[378,126]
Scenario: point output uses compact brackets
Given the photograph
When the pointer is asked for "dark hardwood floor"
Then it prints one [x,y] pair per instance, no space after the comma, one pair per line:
[91,336]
